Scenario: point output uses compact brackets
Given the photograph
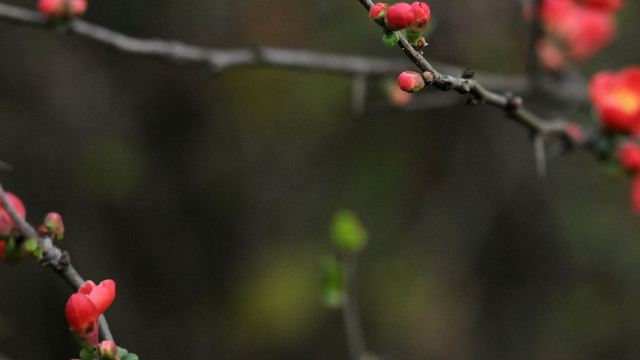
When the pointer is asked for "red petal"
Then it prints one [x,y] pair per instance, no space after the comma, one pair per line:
[80,312]
[103,295]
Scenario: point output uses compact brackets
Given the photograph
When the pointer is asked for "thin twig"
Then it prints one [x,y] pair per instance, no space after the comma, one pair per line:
[223,59]
[350,314]
[512,105]
[52,256]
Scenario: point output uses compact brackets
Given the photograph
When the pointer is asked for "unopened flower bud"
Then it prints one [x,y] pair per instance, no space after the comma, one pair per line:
[53,223]
[399,16]
[378,11]
[52,8]
[428,77]
[107,350]
[422,15]
[410,81]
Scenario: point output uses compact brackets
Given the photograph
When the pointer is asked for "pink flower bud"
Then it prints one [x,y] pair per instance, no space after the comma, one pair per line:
[422,15]
[410,81]
[378,11]
[53,223]
[107,350]
[629,156]
[399,16]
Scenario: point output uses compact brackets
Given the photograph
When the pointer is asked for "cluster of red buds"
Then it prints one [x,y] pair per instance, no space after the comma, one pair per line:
[411,19]
[577,28]
[61,9]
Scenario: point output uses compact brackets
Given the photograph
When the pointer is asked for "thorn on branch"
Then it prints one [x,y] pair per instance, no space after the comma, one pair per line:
[513,102]
[468,73]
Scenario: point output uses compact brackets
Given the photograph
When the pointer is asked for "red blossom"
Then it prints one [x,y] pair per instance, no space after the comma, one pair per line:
[616,98]
[85,306]
[400,16]
[583,29]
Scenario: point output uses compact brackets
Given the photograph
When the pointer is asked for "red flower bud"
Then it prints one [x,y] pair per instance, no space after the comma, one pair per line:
[85,306]
[399,16]
[422,15]
[378,11]
[410,81]
[107,350]
[629,156]
[6,219]
[53,223]
[52,8]
[62,8]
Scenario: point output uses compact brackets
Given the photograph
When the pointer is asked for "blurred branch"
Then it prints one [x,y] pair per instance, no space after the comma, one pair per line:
[223,59]
[350,316]
[3,357]
[52,256]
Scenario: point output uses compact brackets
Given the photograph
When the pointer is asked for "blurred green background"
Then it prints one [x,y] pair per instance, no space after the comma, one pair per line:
[208,198]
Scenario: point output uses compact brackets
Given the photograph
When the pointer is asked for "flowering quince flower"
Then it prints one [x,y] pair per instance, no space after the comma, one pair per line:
[616,98]
[399,16]
[410,81]
[84,307]
[584,29]
[629,156]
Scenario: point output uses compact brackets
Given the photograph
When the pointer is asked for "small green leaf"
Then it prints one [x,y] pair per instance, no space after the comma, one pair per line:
[122,351]
[130,356]
[347,233]
[390,38]
[333,282]
[31,245]
[88,354]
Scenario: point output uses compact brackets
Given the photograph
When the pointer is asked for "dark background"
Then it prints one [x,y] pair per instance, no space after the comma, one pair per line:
[208,199]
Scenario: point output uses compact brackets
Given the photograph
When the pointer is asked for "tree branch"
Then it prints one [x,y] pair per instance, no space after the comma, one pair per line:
[52,256]
[512,105]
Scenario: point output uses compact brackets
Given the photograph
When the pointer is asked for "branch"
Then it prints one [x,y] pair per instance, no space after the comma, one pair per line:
[52,256]
[223,59]
[512,105]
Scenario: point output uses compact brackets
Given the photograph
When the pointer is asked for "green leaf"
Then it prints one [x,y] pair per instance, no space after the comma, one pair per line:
[333,282]
[347,233]
[130,356]
[31,245]
[122,352]
[88,354]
